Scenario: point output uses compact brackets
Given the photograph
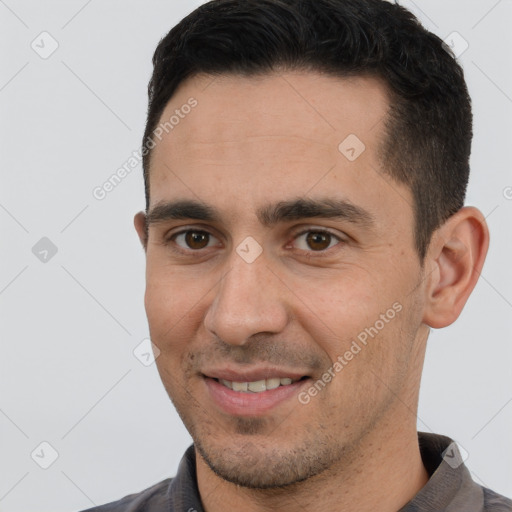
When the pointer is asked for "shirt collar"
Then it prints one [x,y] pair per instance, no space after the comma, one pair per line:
[450,487]
[183,493]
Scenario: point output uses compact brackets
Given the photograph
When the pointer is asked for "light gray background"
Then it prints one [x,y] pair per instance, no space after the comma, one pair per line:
[69,326]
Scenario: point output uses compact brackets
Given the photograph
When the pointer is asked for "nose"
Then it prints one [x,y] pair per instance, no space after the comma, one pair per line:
[249,300]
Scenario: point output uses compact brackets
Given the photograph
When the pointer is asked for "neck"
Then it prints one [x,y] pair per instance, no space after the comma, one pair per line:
[384,474]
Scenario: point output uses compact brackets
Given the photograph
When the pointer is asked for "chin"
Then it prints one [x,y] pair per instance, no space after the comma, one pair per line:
[251,463]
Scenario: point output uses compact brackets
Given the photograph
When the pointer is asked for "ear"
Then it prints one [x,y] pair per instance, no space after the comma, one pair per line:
[140,226]
[454,261]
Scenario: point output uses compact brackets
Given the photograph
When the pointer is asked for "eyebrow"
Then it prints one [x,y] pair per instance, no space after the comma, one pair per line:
[268,215]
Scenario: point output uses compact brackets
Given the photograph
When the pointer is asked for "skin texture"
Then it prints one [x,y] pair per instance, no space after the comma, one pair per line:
[299,305]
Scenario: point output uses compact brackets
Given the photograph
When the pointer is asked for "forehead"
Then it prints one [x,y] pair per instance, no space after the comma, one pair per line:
[308,106]
[252,140]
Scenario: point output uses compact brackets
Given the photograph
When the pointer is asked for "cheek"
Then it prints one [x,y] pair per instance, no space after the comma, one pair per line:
[336,309]
[172,304]
[162,304]
[172,310]
[359,307]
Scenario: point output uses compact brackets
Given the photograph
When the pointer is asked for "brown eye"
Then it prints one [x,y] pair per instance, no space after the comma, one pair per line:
[197,239]
[193,240]
[316,241]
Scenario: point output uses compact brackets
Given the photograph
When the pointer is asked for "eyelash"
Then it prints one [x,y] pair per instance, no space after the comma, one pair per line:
[309,253]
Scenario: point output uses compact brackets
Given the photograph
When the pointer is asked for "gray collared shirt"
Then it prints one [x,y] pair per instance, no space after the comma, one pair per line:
[449,489]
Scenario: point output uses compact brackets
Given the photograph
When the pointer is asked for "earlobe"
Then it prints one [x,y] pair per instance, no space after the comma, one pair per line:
[139,222]
[456,257]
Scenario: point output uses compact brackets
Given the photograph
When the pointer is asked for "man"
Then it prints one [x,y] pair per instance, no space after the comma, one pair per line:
[306,163]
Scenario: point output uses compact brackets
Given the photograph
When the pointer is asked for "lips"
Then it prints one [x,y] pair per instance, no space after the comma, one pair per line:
[254,374]
[253,392]
[257,386]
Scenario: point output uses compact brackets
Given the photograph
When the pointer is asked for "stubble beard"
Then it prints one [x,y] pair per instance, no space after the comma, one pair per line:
[252,465]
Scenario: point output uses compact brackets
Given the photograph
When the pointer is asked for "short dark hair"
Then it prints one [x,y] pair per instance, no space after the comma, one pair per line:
[428,129]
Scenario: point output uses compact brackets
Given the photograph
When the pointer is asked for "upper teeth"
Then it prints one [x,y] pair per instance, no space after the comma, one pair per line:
[258,385]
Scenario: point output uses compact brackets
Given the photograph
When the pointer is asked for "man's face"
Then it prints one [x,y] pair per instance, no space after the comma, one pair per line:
[262,283]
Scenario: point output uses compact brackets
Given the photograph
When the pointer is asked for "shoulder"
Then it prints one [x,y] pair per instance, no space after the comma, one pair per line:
[152,499]
[172,494]
[494,502]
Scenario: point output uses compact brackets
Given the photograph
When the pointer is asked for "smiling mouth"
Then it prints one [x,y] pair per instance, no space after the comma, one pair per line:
[258,386]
